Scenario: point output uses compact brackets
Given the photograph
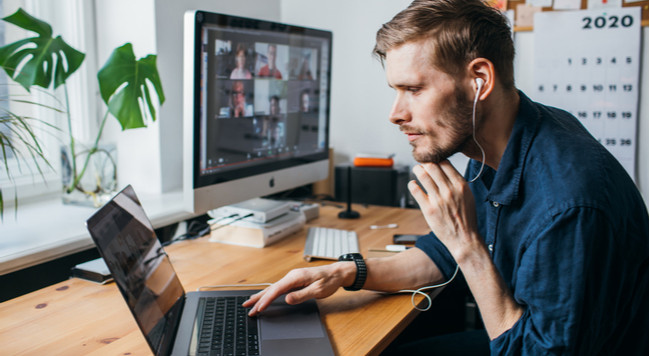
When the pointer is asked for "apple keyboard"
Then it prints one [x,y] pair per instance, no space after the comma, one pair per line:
[329,244]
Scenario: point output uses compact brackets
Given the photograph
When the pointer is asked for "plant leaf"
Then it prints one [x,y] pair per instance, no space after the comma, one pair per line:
[24,20]
[45,60]
[123,84]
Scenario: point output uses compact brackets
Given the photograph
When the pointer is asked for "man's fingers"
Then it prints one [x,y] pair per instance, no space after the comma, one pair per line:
[295,279]
[253,299]
[261,300]
[417,193]
[436,172]
[314,290]
[440,179]
[451,173]
[425,179]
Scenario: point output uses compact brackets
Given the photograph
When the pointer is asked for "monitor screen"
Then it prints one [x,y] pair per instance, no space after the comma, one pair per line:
[256,108]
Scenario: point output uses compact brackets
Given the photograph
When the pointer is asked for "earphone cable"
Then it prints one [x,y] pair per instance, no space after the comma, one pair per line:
[478,91]
[422,290]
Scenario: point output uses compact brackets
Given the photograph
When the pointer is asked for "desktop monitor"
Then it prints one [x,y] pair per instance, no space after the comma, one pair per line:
[256,108]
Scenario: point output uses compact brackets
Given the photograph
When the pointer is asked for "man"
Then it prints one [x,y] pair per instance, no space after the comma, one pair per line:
[548,230]
[238,101]
[270,69]
[304,101]
[274,105]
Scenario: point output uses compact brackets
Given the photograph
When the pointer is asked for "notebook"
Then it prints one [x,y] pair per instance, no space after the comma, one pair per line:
[178,323]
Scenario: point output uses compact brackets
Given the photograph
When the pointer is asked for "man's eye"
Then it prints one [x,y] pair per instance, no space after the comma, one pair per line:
[413,89]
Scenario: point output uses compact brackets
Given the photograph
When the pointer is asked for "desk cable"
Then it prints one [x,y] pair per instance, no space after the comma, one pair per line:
[233,286]
[421,291]
[212,222]
[197,229]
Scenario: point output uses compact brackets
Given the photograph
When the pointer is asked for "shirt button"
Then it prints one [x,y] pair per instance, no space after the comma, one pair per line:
[491,247]
[495,204]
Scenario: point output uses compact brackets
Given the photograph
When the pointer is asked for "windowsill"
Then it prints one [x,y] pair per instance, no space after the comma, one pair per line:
[47,230]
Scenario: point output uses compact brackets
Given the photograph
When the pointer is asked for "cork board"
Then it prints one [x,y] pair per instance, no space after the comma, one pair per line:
[512,5]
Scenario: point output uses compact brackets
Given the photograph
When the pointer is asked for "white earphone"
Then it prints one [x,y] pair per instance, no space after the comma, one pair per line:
[479,84]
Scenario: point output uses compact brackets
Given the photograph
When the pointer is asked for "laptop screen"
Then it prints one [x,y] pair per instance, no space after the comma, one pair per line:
[141,269]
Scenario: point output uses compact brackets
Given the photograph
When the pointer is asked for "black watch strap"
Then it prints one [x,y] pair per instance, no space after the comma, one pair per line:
[362,270]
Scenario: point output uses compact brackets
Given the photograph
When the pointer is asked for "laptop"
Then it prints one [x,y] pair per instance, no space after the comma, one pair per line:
[178,323]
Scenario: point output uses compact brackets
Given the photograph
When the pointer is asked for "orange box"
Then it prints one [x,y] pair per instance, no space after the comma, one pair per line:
[372,162]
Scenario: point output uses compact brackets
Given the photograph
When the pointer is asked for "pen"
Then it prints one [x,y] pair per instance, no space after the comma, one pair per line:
[390,248]
[389,226]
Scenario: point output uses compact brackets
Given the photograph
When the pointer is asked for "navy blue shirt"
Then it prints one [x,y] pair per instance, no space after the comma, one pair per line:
[568,231]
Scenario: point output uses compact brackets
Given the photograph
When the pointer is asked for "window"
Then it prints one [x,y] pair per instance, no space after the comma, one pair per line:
[73,20]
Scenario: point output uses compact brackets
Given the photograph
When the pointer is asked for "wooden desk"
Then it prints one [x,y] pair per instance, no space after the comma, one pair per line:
[77,317]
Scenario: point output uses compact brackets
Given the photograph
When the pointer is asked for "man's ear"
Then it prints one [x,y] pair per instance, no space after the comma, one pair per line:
[481,68]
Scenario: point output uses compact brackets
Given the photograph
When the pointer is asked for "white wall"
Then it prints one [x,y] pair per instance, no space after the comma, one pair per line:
[138,160]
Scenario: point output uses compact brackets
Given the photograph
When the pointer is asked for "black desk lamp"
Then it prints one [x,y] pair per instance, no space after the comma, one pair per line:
[349,213]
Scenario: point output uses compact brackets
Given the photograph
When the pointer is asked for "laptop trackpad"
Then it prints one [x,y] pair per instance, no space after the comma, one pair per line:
[283,321]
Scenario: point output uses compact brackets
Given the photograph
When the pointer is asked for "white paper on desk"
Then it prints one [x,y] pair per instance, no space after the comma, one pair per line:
[589,67]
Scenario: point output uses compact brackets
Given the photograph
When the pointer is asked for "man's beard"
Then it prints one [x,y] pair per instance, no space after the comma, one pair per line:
[458,119]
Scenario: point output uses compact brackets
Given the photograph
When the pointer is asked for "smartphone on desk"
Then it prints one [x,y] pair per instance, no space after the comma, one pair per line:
[405,239]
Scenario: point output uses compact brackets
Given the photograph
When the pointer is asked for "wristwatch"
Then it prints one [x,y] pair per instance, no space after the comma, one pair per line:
[362,270]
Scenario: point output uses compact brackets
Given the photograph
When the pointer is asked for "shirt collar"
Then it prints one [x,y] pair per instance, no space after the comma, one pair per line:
[506,183]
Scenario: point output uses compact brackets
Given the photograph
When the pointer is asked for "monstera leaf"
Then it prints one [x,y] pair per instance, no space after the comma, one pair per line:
[124,86]
[38,60]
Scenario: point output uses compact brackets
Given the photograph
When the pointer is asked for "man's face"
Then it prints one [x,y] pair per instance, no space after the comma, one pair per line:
[429,107]
[238,95]
[271,55]
[304,103]
[274,107]
[240,59]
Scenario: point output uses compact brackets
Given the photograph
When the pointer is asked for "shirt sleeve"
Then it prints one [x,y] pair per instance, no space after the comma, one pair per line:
[438,253]
[569,281]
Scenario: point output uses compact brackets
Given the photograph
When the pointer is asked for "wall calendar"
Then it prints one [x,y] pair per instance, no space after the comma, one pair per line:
[588,63]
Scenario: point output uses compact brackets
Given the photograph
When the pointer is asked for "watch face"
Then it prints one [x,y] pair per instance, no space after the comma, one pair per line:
[350,257]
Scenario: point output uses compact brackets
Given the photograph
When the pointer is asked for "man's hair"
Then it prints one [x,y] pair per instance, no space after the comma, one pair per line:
[458,31]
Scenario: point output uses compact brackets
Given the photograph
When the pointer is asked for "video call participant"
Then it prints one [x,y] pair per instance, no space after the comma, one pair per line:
[240,71]
[304,101]
[274,105]
[239,107]
[305,72]
[270,69]
[551,234]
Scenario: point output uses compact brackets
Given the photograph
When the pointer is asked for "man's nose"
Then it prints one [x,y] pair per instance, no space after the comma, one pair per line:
[399,113]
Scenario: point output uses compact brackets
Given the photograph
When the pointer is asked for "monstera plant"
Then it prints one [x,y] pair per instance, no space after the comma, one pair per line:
[125,85]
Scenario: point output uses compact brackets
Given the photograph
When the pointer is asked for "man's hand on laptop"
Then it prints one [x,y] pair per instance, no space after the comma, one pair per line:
[303,284]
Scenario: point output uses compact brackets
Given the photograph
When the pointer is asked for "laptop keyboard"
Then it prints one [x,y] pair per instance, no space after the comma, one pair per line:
[227,329]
